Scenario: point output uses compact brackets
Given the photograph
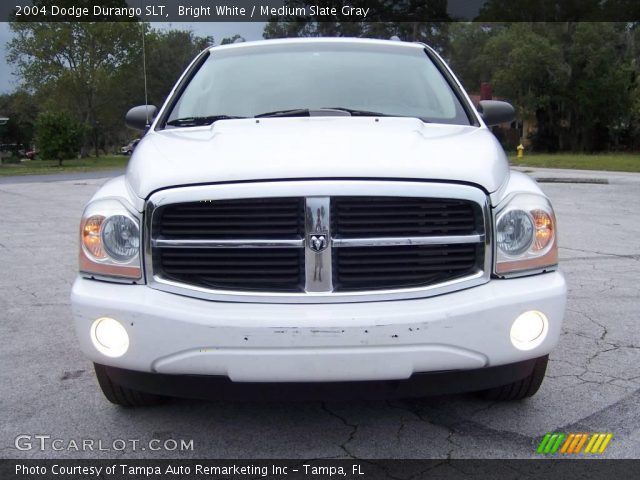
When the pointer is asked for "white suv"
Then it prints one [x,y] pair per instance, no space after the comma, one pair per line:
[318,211]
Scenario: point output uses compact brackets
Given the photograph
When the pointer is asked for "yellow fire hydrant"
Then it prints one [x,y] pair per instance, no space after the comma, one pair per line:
[520,150]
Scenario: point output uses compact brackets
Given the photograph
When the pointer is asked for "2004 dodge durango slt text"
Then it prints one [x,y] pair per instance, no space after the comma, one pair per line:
[318,211]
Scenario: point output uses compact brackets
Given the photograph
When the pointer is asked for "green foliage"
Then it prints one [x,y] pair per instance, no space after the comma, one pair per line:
[22,110]
[168,54]
[576,81]
[466,44]
[525,66]
[95,70]
[71,65]
[601,81]
[58,136]
[229,40]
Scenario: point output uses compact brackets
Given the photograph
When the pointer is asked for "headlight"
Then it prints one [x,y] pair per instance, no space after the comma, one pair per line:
[110,240]
[514,232]
[121,237]
[525,235]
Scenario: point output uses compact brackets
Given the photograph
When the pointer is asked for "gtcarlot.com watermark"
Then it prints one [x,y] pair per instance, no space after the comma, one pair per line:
[49,443]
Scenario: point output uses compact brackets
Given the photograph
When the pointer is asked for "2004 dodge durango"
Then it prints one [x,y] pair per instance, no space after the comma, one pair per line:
[318,211]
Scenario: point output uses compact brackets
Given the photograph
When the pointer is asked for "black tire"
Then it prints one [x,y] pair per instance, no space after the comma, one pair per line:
[527,387]
[124,396]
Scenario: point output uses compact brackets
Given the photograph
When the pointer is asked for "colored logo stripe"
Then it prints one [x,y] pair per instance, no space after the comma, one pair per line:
[598,442]
[574,442]
[550,443]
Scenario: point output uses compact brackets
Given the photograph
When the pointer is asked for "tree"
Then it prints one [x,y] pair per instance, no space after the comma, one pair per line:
[466,46]
[601,85]
[526,67]
[22,110]
[168,54]
[574,79]
[58,136]
[234,39]
[69,64]
[95,70]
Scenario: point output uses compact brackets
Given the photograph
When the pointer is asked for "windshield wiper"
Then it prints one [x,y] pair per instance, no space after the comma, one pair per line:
[361,113]
[197,121]
[324,111]
[292,112]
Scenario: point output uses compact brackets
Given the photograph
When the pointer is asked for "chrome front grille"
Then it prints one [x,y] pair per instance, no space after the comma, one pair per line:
[198,244]
[305,247]
[401,216]
[374,268]
[261,269]
[267,218]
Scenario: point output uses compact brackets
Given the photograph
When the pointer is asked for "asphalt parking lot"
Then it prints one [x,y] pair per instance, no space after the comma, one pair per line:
[592,384]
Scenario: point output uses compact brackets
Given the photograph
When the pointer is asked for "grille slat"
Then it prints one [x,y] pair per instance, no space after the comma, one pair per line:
[385,231]
[385,216]
[420,265]
[393,220]
[266,218]
[409,263]
[229,233]
[228,268]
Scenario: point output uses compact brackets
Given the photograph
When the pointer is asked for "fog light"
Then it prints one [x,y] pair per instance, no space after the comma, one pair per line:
[109,337]
[529,330]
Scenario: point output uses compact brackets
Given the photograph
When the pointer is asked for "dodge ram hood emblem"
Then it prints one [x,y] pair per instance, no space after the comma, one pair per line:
[318,243]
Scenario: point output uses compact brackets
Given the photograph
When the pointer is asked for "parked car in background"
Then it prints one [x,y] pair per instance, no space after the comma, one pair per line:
[319,211]
[130,147]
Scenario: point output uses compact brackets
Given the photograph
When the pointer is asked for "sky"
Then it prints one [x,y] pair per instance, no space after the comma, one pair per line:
[219,30]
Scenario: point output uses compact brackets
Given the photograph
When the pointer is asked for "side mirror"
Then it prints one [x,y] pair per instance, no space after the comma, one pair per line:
[495,112]
[140,117]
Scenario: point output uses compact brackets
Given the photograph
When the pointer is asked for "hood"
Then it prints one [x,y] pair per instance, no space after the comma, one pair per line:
[316,147]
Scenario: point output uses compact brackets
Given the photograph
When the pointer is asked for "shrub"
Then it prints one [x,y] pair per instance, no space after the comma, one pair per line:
[58,136]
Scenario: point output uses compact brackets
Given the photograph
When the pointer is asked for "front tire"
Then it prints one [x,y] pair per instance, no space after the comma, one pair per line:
[527,387]
[123,396]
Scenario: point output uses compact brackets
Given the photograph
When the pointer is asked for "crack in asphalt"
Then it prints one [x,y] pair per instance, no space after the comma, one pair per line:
[352,426]
[592,320]
[457,425]
[352,433]
[26,292]
[632,256]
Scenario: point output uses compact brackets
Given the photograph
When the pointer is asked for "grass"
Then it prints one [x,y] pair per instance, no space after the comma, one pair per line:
[621,162]
[615,162]
[47,167]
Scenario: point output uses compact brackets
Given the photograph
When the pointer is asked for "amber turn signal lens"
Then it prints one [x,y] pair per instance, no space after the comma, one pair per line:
[543,229]
[91,236]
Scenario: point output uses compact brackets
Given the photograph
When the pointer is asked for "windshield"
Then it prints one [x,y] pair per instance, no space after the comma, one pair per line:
[359,78]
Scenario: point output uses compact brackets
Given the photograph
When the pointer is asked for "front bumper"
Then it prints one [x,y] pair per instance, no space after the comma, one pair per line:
[249,342]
